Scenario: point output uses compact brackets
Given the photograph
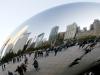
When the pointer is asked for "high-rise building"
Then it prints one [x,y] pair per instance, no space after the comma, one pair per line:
[85,29]
[7,49]
[4,45]
[96,26]
[21,41]
[71,31]
[91,27]
[16,42]
[29,43]
[39,40]
[78,29]
[53,34]
[61,35]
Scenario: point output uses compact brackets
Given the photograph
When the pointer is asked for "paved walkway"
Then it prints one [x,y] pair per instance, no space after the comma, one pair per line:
[58,65]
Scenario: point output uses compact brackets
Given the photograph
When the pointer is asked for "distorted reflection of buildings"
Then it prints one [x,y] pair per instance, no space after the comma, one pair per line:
[53,34]
[94,30]
[22,41]
[71,32]
[61,35]
[16,42]
[39,40]
[29,42]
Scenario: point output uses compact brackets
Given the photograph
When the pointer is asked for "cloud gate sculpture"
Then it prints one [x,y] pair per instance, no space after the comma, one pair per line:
[58,27]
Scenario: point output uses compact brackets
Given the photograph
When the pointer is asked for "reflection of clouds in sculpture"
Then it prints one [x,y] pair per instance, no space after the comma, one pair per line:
[81,13]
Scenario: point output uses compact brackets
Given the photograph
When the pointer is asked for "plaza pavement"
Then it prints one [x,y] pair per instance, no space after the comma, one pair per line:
[59,65]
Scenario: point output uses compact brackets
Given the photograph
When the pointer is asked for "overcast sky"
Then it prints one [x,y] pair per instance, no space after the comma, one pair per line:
[15,12]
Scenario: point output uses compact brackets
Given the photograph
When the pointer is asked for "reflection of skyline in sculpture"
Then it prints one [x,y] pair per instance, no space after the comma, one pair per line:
[13,40]
[62,15]
[39,40]
[93,31]
[21,41]
[23,37]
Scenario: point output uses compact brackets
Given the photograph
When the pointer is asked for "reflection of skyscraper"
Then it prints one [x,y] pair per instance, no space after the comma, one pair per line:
[96,26]
[10,45]
[3,47]
[85,29]
[21,41]
[7,49]
[53,34]
[39,40]
[29,42]
[71,31]
[91,27]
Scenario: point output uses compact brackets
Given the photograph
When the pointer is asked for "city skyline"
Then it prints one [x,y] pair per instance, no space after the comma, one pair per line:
[62,16]
[22,37]
[16,15]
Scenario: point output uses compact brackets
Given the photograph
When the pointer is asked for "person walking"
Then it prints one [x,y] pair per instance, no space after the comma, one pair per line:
[19,70]
[35,55]
[46,53]
[55,50]
[36,65]
[24,67]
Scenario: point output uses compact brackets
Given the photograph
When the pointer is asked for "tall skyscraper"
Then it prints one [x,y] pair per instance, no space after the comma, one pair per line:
[16,41]
[71,31]
[91,27]
[53,34]
[39,40]
[21,41]
[7,49]
[96,26]
[29,43]
[4,45]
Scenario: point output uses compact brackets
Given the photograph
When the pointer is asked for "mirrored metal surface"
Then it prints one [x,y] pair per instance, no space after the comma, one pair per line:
[65,20]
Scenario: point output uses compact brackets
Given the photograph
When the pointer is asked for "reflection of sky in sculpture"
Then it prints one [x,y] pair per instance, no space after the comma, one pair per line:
[81,13]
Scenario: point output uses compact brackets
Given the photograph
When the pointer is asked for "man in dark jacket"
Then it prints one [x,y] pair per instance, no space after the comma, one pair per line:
[36,65]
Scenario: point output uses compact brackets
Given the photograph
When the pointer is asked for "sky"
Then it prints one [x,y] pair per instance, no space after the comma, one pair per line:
[14,12]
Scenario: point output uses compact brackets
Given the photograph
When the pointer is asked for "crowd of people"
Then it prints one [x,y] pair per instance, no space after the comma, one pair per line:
[21,69]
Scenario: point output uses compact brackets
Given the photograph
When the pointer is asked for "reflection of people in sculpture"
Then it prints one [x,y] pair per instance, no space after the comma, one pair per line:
[76,61]
[36,65]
